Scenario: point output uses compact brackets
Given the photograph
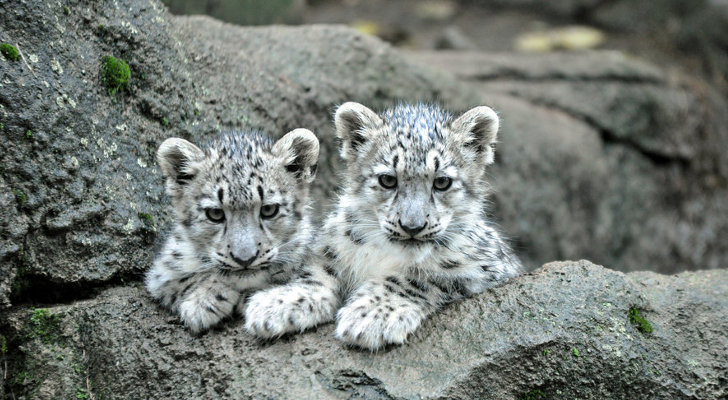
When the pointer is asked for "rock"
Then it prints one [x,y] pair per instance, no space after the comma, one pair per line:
[79,180]
[603,156]
[454,38]
[563,331]
[79,177]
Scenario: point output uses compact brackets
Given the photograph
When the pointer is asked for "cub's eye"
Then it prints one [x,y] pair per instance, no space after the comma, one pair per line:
[269,211]
[215,215]
[442,183]
[388,181]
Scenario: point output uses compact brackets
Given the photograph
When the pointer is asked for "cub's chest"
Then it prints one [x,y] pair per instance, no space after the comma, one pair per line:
[381,258]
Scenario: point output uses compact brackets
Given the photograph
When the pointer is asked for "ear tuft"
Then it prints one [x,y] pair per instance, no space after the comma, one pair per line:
[299,149]
[176,158]
[353,122]
[478,128]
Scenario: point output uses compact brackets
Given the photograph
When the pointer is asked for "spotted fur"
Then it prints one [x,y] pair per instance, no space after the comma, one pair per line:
[390,256]
[226,240]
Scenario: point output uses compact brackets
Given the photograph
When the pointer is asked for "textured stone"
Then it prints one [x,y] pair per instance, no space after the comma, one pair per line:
[563,330]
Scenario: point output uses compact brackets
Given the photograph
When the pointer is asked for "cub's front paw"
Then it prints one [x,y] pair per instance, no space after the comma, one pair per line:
[202,313]
[275,312]
[373,326]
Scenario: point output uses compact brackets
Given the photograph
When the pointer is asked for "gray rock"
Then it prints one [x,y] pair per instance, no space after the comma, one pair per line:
[605,157]
[562,331]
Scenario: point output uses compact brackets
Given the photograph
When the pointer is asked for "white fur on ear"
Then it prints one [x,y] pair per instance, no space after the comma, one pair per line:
[176,158]
[353,123]
[299,149]
[478,128]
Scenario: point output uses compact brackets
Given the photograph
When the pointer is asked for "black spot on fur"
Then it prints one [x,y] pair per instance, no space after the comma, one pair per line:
[260,192]
[295,169]
[393,280]
[450,264]
[414,294]
[330,270]
[418,285]
[329,253]
[183,179]
[354,238]
[220,194]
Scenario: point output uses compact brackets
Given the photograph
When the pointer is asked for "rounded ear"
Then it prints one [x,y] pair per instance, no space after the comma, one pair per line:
[299,149]
[176,158]
[354,124]
[477,129]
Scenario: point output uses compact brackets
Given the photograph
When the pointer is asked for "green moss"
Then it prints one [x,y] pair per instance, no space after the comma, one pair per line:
[546,353]
[639,321]
[533,394]
[2,126]
[28,134]
[81,393]
[44,325]
[20,197]
[66,11]
[24,378]
[116,74]
[10,52]
[165,121]
[575,352]
[3,345]
[146,218]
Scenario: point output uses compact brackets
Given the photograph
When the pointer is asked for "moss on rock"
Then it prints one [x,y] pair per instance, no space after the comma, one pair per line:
[10,52]
[638,320]
[116,74]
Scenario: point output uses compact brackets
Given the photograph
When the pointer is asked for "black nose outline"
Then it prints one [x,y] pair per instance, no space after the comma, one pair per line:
[412,231]
[244,263]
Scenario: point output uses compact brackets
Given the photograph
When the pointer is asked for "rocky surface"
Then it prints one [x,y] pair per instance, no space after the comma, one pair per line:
[562,331]
[601,156]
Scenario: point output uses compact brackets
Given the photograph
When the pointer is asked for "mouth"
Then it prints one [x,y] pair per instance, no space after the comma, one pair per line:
[409,242]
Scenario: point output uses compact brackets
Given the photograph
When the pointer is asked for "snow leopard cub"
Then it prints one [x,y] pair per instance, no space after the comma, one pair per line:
[242,221]
[410,232]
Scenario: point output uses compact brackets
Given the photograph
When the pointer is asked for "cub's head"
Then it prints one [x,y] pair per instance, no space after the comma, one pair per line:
[415,173]
[241,201]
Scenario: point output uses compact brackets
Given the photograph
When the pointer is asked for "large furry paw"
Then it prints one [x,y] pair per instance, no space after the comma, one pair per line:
[293,308]
[204,309]
[371,325]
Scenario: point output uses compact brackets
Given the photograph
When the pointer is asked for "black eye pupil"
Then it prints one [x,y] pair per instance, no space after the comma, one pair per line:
[215,214]
[442,183]
[387,181]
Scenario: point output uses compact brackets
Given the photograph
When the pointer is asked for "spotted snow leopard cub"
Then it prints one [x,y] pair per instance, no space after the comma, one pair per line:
[242,221]
[410,232]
